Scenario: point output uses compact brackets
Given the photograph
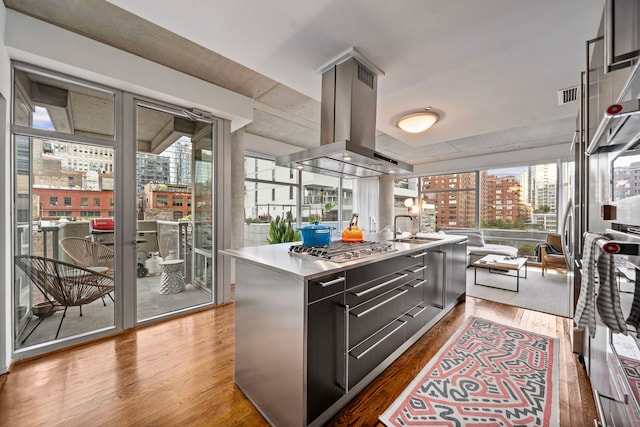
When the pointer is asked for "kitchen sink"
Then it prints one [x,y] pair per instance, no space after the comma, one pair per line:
[415,240]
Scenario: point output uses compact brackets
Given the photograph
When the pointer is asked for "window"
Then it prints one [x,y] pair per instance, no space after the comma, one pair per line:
[626,176]
[269,192]
[448,201]
[53,201]
[84,201]
[96,201]
[162,201]
[177,201]
[527,194]
[67,201]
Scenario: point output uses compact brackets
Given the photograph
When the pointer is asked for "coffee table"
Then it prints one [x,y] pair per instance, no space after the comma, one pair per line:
[500,264]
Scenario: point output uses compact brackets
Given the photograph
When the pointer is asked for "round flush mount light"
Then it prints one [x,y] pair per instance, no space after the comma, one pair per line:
[417,122]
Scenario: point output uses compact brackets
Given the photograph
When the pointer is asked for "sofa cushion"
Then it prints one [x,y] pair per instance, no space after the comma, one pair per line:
[475,238]
[490,248]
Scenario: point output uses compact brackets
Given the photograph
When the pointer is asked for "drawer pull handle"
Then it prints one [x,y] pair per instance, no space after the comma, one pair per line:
[331,282]
[358,356]
[420,283]
[381,285]
[381,303]
[419,255]
[419,269]
[418,312]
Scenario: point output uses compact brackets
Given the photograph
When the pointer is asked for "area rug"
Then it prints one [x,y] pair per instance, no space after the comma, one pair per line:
[487,374]
[631,369]
[550,293]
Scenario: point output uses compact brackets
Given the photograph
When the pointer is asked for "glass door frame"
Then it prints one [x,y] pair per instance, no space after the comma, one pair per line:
[115,144]
[221,211]
[125,209]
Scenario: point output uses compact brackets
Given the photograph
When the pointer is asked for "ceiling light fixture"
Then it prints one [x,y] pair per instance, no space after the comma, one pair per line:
[418,122]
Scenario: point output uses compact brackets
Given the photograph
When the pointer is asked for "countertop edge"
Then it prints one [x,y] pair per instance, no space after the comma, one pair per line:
[277,257]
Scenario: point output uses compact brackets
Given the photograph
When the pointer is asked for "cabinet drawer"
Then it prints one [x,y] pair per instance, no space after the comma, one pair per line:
[358,276]
[367,319]
[373,351]
[326,286]
[416,319]
[415,296]
[364,293]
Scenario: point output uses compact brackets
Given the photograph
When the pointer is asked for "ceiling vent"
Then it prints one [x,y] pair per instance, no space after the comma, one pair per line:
[565,96]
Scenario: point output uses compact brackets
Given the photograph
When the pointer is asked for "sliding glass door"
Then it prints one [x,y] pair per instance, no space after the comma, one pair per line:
[174,174]
[113,220]
[64,144]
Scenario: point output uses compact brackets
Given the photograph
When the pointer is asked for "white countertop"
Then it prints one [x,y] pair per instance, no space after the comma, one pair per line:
[277,257]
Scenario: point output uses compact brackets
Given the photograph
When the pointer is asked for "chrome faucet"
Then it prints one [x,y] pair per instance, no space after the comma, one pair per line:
[395,223]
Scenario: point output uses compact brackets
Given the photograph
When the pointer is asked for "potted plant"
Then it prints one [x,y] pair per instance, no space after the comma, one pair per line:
[281,231]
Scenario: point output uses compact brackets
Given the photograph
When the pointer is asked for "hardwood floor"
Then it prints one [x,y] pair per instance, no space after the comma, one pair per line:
[181,373]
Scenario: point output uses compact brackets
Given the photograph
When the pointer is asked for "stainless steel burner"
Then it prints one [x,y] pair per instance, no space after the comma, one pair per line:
[340,251]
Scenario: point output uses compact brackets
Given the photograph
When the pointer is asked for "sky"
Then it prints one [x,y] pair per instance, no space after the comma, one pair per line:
[516,171]
[41,119]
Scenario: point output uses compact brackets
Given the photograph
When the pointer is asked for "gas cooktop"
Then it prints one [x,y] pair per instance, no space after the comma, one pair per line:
[339,251]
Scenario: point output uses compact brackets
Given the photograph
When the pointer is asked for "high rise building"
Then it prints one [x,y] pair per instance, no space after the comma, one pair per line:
[626,181]
[500,199]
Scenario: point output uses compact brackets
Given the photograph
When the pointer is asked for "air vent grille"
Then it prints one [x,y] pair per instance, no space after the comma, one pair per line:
[568,95]
[365,76]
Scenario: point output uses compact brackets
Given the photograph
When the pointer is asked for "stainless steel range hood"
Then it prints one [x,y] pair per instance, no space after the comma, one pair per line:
[347,127]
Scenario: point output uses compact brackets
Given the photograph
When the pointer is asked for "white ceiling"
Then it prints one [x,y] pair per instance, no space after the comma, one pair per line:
[491,68]
[486,66]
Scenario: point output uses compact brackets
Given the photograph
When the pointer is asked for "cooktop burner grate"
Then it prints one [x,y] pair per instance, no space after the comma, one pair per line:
[343,251]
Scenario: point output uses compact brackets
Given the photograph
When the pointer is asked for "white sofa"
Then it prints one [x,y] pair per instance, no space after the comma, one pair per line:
[476,246]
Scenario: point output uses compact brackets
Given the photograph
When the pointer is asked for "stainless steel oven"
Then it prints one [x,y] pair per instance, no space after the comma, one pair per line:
[620,404]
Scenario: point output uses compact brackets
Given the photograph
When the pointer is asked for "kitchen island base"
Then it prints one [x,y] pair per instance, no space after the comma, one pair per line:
[306,344]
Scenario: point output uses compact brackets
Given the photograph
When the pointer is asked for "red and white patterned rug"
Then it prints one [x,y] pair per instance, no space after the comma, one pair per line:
[487,374]
[631,369]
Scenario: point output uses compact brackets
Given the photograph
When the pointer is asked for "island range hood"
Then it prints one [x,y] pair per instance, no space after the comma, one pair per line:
[347,127]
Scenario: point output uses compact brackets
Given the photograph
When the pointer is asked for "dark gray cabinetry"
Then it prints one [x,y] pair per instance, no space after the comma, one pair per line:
[456,284]
[436,276]
[377,298]
[446,276]
[426,299]
[325,344]
[311,334]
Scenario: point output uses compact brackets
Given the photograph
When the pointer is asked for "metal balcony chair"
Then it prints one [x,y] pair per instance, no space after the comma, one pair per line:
[86,253]
[63,284]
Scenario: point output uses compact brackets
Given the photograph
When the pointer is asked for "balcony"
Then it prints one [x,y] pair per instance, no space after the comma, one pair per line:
[156,240]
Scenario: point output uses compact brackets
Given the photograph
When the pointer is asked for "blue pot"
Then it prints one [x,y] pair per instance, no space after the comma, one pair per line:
[316,234]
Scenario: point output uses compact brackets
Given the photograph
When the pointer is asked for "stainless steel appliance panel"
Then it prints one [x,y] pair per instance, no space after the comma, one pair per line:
[269,339]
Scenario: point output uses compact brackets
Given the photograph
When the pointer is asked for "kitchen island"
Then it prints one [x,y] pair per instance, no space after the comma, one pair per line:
[312,333]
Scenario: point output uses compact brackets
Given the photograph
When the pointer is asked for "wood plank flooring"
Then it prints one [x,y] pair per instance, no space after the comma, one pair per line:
[180,372]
